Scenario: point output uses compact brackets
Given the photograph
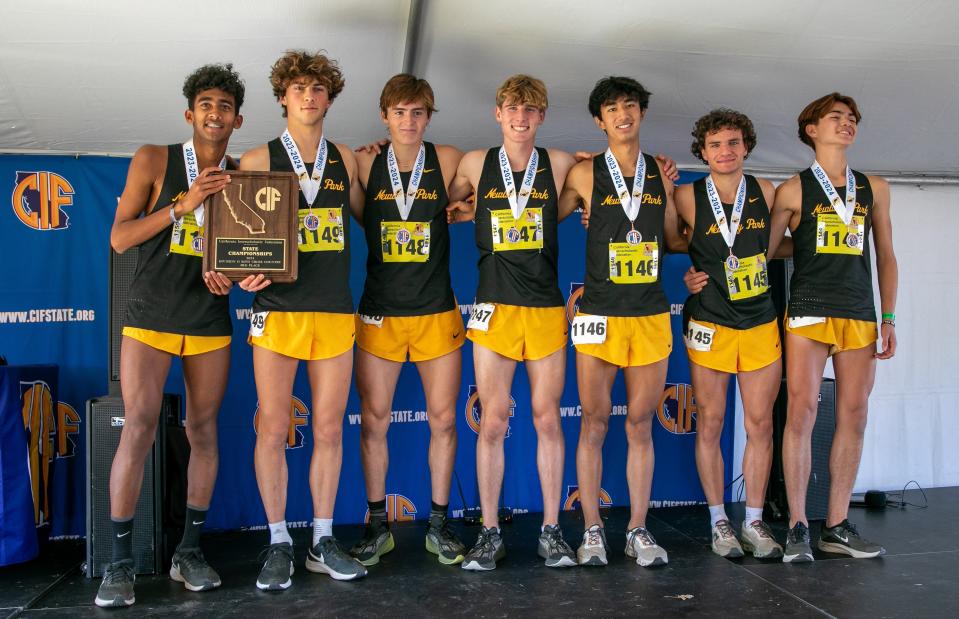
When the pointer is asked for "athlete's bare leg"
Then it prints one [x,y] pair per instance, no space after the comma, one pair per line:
[594,377]
[143,372]
[330,385]
[376,383]
[494,380]
[274,374]
[644,391]
[855,376]
[205,377]
[441,384]
[546,381]
[710,387]
[758,389]
[805,361]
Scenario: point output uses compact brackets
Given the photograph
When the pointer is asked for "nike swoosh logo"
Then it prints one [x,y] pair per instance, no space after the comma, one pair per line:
[540,170]
[751,200]
[123,534]
[652,175]
[201,522]
[332,160]
[428,171]
[860,186]
[456,335]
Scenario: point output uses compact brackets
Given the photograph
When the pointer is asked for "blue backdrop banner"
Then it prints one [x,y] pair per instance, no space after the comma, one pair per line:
[53,309]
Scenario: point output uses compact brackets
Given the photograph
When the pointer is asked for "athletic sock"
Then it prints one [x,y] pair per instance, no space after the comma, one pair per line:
[122,540]
[717,513]
[378,513]
[753,514]
[437,511]
[192,526]
[322,527]
[279,534]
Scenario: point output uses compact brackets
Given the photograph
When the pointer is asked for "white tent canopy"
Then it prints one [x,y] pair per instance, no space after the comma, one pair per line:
[105,76]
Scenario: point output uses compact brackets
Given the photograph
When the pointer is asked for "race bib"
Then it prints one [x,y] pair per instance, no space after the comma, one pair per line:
[633,263]
[835,237]
[588,329]
[796,322]
[524,232]
[480,316]
[320,229]
[405,241]
[749,279]
[187,237]
[257,322]
[698,337]
[376,321]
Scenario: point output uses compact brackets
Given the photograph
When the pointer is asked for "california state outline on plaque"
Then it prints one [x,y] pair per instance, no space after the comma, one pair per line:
[243,214]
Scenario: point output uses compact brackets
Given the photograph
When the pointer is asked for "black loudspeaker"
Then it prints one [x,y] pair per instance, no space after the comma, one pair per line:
[817,494]
[105,417]
[123,267]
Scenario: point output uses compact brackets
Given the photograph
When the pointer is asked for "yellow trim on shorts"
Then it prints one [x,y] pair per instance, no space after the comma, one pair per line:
[523,333]
[840,334]
[420,338]
[739,350]
[177,343]
[308,336]
[632,340]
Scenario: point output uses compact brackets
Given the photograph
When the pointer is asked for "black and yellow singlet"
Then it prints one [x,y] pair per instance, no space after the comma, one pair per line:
[168,293]
[407,267]
[518,258]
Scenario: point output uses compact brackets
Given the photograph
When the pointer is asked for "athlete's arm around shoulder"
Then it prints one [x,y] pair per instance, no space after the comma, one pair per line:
[887,266]
[785,211]
[672,226]
[463,185]
[577,189]
[449,158]
[357,195]
[685,201]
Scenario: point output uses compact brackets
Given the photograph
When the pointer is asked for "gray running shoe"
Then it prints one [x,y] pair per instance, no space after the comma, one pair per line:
[488,550]
[593,549]
[377,540]
[326,557]
[116,590]
[724,541]
[758,539]
[277,568]
[190,568]
[844,538]
[797,545]
[442,542]
[554,548]
[641,545]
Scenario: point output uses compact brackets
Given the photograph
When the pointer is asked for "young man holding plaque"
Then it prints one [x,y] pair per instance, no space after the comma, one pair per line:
[173,310]
[310,319]
[407,308]
[623,320]
[730,324]
[831,210]
[519,312]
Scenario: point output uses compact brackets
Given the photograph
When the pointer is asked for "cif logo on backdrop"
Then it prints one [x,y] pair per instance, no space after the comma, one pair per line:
[474,410]
[572,303]
[398,509]
[299,417]
[39,199]
[40,426]
[572,499]
[677,409]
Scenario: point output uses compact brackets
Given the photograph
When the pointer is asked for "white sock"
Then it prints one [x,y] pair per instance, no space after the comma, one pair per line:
[753,514]
[322,527]
[279,534]
[717,513]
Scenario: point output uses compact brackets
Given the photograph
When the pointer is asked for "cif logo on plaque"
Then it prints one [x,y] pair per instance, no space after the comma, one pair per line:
[398,509]
[677,409]
[267,198]
[299,417]
[39,198]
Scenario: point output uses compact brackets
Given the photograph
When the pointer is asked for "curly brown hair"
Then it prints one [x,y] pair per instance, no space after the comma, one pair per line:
[717,120]
[818,109]
[297,63]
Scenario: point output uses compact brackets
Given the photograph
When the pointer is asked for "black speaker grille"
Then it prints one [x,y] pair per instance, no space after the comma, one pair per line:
[817,494]
[122,269]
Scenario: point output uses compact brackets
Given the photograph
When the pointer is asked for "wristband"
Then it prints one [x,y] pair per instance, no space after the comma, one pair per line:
[889,321]
[174,219]
[890,316]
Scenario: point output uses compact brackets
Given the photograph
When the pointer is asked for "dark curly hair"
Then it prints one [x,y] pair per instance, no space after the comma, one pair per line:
[609,89]
[209,76]
[297,63]
[717,120]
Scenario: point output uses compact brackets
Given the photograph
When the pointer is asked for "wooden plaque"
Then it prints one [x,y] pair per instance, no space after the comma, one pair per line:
[251,226]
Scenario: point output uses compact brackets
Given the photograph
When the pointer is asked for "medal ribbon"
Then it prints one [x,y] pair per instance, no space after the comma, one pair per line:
[730,230]
[630,203]
[517,203]
[404,200]
[847,210]
[309,183]
[192,172]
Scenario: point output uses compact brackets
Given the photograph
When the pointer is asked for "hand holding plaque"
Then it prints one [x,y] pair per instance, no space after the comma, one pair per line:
[251,226]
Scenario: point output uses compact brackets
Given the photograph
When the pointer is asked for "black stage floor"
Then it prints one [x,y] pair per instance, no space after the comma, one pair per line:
[916,578]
